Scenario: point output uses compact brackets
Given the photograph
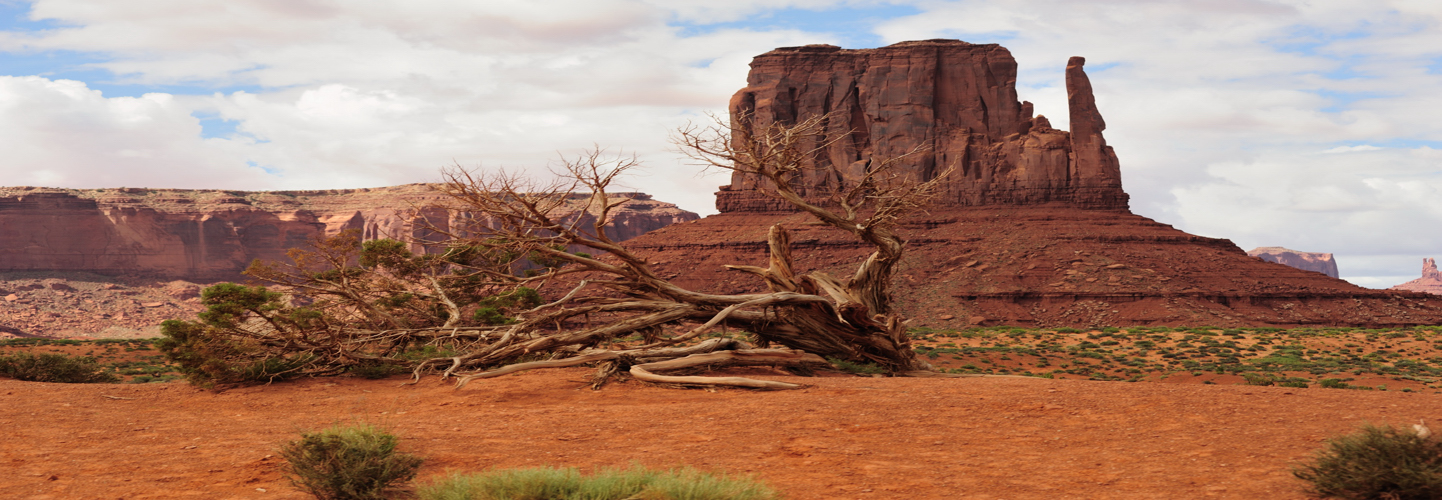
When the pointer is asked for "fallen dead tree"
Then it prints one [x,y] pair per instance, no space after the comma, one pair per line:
[468,306]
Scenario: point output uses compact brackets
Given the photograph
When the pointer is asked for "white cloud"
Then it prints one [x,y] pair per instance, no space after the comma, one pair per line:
[1303,123]
[370,93]
[61,133]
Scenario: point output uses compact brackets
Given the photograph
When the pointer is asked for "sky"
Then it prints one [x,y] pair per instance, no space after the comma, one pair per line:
[1309,124]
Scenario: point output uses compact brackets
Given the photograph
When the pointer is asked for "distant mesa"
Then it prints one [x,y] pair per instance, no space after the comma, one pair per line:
[209,235]
[1430,282]
[1309,261]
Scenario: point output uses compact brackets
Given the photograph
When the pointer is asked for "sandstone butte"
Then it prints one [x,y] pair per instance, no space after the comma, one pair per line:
[1430,282]
[209,235]
[1032,228]
[1308,261]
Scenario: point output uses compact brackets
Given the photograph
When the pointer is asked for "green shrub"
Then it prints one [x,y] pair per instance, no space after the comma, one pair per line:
[492,316]
[54,368]
[1376,463]
[608,484]
[348,462]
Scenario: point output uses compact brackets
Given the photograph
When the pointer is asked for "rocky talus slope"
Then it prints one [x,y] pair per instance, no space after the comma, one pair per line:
[1033,226]
[1308,261]
[67,305]
[207,235]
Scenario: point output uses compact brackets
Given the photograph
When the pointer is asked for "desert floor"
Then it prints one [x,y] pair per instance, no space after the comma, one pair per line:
[841,438]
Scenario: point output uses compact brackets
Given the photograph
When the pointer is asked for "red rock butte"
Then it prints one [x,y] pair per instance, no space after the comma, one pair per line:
[1032,227]
[208,235]
[957,100]
[1430,282]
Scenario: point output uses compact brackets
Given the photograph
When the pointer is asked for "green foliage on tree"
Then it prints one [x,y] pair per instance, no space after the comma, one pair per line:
[344,306]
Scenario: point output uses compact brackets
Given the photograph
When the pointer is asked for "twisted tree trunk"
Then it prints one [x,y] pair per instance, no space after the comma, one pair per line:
[855,324]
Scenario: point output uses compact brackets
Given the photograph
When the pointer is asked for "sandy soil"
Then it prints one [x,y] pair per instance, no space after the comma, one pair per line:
[842,438]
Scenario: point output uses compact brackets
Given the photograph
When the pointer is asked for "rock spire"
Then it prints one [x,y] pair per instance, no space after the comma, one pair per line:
[1430,282]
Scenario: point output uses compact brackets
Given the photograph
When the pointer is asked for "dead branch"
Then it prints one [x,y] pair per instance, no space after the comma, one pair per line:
[469,305]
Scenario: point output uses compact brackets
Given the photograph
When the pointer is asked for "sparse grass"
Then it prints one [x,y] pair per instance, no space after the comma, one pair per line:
[635,483]
[1376,463]
[348,462]
[1291,358]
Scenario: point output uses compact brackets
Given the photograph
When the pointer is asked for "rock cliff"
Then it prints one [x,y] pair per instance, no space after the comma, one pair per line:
[213,235]
[1308,261]
[957,100]
[1430,282]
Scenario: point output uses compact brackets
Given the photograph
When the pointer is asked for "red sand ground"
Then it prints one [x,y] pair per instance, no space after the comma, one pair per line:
[842,438]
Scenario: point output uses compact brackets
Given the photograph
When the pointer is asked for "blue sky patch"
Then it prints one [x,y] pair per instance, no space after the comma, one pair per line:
[1308,40]
[213,126]
[1394,143]
[1342,101]
[852,25]
[15,16]
[71,65]
[265,168]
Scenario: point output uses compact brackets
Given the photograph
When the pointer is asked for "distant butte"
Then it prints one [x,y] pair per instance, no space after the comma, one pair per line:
[1430,282]
[1308,261]
[1033,227]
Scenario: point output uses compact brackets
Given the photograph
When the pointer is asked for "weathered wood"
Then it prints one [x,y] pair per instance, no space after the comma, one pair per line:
[590,357]
[740,357]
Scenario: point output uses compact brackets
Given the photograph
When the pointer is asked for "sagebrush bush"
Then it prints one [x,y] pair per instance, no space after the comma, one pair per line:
[348,462]
[1376,463]
[54,368]
[636,483]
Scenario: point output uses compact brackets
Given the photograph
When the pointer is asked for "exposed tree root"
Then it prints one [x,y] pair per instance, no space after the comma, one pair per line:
[643,363]
[747,357]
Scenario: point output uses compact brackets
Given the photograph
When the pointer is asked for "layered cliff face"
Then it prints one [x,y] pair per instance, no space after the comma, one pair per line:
[955,99]
[1309,261]
[1430,282]
[213,235]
